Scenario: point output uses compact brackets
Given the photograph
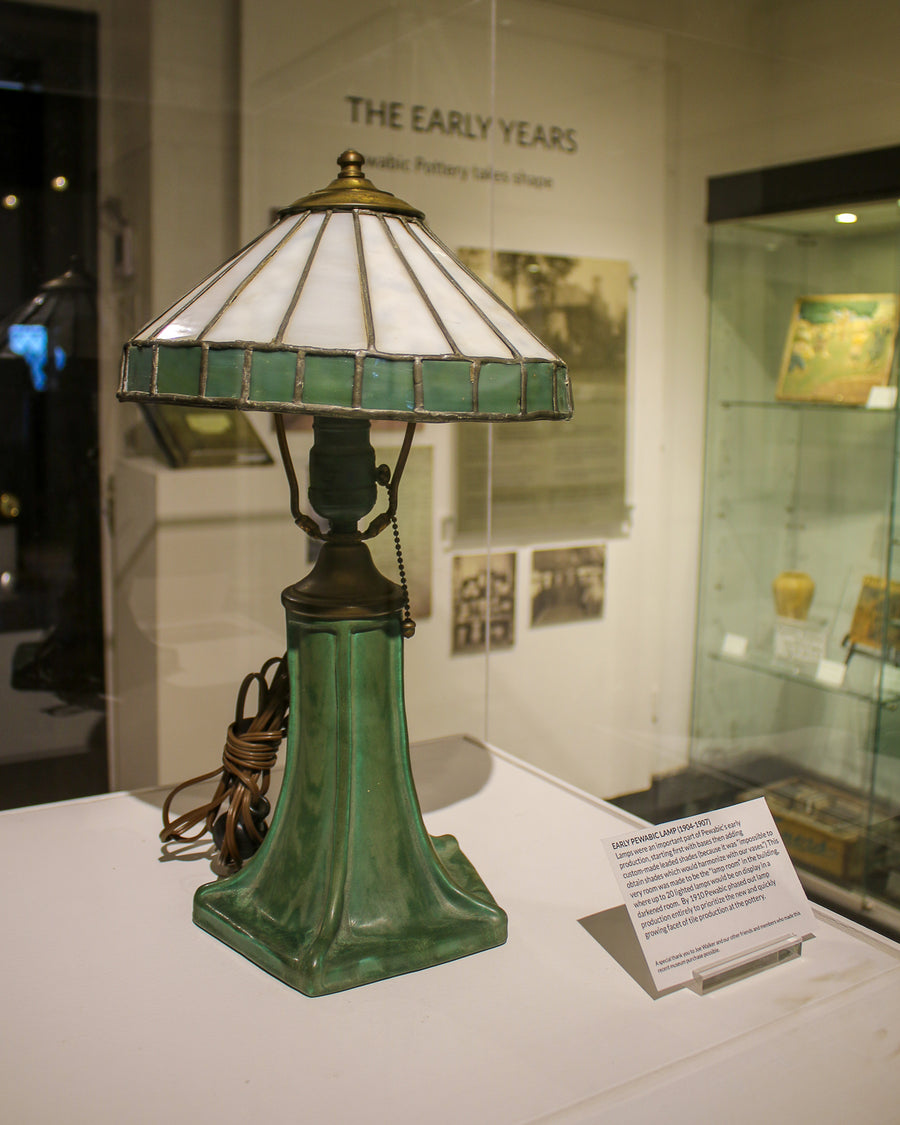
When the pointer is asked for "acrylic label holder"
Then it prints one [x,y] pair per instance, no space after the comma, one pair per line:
[727,970]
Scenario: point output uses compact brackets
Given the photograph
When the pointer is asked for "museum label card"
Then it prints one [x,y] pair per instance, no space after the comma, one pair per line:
[734,645]
[831,672]
[882,398]
[800,642]
[707,888]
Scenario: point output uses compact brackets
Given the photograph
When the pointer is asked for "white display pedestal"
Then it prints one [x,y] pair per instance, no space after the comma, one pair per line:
[119,1009]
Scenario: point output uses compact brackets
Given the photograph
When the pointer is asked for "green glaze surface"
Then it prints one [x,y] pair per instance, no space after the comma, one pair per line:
[348,887]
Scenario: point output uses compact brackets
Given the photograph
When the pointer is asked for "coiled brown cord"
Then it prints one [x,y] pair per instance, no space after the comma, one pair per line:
[250,753]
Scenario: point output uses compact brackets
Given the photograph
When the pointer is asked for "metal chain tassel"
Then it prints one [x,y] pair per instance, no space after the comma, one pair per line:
[408,627]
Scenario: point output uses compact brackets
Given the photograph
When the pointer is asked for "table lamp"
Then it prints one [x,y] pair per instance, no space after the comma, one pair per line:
[349,309]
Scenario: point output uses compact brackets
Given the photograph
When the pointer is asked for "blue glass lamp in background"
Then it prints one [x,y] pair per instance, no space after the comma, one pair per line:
[56,324]
[349,309]
[49,475]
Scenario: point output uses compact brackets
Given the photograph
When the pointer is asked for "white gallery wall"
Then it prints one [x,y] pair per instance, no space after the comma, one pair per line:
[658,98]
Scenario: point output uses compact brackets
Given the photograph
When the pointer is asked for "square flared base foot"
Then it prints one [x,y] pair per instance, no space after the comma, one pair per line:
[454,916]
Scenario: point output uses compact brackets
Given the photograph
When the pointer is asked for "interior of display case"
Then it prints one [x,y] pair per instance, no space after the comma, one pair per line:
[797,668]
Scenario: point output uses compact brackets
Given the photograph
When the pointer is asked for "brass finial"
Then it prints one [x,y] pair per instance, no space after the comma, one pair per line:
[351,163]
[352,190]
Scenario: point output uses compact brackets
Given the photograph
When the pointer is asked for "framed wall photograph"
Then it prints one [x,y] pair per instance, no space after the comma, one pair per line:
[472,619]
[567,584]
[839,346]
[581,307]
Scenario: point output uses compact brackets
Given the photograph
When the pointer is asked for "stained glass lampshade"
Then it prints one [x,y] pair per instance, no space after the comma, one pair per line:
[348,308]
[348,305]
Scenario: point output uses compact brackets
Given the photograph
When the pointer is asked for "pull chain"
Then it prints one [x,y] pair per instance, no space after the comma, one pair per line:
[383,476]
[408,627]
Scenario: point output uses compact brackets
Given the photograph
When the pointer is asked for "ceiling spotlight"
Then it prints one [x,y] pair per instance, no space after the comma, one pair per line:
[59,183]
[845,217]
[10,202]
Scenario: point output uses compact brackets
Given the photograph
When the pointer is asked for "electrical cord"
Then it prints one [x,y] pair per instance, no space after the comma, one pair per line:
[250,754]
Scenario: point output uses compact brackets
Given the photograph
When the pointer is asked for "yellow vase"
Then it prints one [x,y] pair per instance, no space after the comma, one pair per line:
[793,590]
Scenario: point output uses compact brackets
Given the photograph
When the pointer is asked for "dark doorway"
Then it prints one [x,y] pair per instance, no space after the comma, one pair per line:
[53,741]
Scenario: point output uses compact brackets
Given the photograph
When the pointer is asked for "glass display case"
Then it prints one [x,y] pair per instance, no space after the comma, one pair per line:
[797,666]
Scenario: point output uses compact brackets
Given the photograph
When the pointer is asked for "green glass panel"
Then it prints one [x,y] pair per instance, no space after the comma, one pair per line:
[388,384]
[178,371]
[539,388]
[563,392]
[272,376]
[328,380]
[447,385]
[224,372]
[499,388]
[139,369]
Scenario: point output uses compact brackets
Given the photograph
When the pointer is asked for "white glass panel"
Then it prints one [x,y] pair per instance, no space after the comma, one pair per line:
[258,310]
[153,328]
[517,334]
[403,322]
[329,313]
[470,333]
[192,314]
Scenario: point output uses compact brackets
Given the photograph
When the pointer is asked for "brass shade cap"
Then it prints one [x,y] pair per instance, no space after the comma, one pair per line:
[351,189]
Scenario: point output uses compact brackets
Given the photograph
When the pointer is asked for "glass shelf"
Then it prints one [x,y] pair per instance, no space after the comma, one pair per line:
[818,407]
[799,674]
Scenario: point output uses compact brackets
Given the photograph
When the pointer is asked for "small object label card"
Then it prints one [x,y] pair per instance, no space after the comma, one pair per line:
[707,888]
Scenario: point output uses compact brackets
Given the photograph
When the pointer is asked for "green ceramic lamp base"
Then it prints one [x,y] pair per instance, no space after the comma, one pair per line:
[319,957]
[348,887]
